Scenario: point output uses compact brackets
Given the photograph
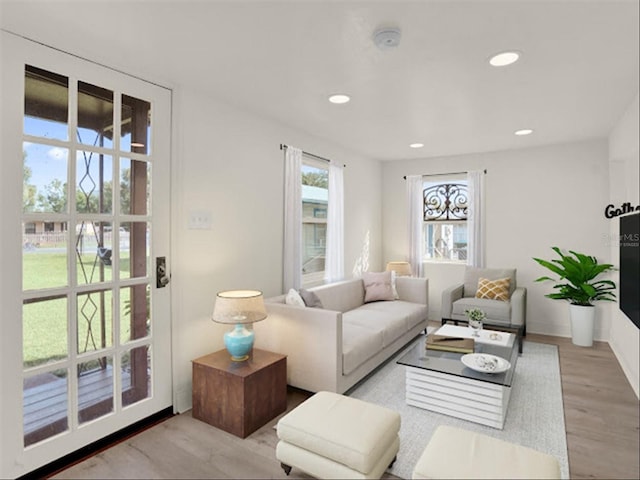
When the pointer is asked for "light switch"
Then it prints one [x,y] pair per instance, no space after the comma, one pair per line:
[199,220]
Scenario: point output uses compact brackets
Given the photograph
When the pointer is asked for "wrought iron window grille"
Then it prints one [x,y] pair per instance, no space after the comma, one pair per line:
[446,202]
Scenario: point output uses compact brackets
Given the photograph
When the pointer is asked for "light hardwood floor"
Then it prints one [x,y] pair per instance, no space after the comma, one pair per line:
[601,411]
[601,417]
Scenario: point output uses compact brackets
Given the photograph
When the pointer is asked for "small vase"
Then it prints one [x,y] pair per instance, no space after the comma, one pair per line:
[476,326]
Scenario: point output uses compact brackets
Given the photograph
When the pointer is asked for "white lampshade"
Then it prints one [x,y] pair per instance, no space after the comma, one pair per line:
[239,306]
[401,268]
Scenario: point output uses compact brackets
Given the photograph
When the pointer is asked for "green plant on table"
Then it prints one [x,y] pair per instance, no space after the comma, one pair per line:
[475,314]
[578,273]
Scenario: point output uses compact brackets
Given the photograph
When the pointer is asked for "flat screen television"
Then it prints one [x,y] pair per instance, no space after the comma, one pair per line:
[630,267]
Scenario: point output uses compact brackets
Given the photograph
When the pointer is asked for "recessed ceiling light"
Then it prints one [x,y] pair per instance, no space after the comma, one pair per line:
[524,131]
[504,58]
[417,145]
[339,98]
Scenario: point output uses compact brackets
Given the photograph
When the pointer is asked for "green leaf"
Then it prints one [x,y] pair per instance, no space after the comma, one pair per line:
[550,266]
[541,279]
[588,289]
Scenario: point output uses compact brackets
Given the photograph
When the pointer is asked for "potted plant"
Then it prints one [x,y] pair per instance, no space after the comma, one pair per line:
[578,285]
[475,318]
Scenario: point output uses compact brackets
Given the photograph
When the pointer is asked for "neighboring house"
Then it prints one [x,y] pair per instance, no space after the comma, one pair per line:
[314,228]
[44,227]
[44,234]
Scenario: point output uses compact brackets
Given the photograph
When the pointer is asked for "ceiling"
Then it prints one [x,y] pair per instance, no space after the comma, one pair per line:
[577,74]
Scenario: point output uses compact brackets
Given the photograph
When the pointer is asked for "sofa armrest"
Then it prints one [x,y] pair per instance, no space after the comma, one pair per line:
[519,306]
[449,296]
[312,340]
[413,289]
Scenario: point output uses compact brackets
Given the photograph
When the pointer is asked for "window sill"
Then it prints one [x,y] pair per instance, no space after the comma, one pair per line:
[444,262]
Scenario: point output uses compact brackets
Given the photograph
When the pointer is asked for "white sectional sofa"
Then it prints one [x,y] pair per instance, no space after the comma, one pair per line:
[333,347]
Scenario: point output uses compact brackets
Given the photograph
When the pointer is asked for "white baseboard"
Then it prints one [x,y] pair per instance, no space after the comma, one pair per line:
[626,368]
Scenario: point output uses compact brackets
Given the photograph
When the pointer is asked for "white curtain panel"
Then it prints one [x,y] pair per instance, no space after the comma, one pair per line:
[334,265]
[475,220]
[292,255]
[416,220]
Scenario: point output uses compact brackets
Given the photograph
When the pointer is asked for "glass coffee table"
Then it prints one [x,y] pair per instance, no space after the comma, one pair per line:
[439,381]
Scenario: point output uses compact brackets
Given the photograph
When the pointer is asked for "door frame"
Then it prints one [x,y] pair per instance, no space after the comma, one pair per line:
[15,459]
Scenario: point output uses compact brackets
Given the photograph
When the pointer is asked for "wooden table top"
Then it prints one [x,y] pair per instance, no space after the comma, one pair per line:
[221,360]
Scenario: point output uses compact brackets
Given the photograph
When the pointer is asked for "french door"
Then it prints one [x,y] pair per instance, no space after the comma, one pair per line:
[86,212]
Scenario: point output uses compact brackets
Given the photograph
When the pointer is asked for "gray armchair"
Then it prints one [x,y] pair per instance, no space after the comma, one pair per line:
[511,313]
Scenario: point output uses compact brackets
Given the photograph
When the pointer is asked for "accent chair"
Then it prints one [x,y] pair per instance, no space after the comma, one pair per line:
[503,302]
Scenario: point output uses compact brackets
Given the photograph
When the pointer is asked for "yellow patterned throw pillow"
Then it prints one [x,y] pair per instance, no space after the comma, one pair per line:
[493,289]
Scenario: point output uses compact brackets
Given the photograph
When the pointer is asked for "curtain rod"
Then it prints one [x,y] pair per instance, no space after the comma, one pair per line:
[441,174]
[284,146]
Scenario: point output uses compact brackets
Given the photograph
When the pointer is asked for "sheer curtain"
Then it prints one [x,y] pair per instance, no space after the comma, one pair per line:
[475,221]
[334,264]
[416,219]
[292,255]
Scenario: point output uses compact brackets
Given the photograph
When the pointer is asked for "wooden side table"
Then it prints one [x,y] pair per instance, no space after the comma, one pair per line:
[239,397]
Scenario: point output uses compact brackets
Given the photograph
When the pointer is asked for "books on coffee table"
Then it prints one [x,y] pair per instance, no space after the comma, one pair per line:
[450,344]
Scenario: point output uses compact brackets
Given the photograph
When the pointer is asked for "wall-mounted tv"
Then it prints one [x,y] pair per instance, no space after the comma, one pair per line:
[630,267]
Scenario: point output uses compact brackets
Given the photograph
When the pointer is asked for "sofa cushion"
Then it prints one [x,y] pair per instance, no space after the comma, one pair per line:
[493,289]
[412,313]
[391,326]
[377,286]
[341,296]
[359,344]
[495,309]
[473,274]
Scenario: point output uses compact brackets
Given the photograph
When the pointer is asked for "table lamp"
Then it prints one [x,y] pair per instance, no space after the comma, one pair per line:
[401,268]
[239,307]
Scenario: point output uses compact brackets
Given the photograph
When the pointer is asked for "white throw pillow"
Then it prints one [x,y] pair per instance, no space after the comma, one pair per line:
[294,298]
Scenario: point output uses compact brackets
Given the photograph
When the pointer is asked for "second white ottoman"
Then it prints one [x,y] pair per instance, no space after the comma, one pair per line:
[334,436]
[457,453]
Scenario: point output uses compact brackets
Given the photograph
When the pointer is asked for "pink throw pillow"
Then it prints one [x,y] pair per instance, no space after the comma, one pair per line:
[377,286]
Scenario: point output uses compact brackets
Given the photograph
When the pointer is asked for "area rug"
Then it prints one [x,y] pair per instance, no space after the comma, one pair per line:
[535,417]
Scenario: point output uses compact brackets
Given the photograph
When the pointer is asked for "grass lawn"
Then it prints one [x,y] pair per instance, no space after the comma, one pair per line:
[45,329]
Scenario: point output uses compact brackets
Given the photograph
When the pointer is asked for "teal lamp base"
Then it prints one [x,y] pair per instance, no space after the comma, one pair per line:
[239,342]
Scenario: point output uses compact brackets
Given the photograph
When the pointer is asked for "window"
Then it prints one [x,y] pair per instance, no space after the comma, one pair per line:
[445,207]
[315,196]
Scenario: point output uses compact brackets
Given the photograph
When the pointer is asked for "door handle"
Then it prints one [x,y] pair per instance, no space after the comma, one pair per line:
[162,278]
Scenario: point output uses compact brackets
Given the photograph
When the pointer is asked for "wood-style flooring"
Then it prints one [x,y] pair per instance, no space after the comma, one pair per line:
[601,411]
[601,418]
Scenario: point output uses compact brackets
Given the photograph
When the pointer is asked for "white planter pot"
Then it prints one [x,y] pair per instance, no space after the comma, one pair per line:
[582,324]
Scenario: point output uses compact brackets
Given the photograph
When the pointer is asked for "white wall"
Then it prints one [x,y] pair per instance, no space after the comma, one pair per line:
[536,198]
[228,163]
[624,180]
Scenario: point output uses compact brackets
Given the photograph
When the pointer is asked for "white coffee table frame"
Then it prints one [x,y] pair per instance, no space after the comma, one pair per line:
[439,382]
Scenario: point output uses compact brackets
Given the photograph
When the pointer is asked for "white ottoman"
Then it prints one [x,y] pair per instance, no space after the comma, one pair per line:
[456,453]
[334,436]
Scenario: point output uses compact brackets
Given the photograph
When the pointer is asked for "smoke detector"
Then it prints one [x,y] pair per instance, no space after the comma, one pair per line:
[386,38]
